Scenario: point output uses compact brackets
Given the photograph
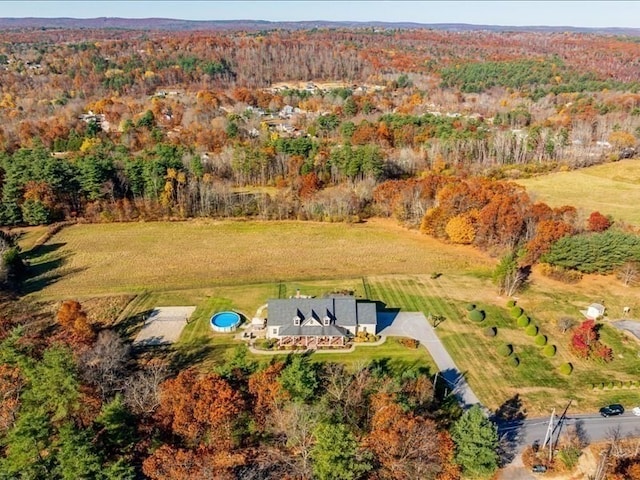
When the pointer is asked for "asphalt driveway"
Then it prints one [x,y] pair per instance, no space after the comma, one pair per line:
[415,325]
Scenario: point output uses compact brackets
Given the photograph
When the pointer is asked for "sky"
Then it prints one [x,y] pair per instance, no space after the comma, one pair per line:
[509,13]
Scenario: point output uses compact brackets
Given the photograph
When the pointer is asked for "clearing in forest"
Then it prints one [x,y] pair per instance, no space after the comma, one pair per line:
[612,189]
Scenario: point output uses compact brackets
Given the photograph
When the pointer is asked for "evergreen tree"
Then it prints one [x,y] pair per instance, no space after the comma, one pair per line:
[300,378]
[335,454]
[476,439]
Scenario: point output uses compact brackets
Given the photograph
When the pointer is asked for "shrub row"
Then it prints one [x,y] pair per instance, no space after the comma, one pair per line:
[616,384]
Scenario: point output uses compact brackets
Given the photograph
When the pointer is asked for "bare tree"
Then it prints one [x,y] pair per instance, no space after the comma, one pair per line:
[628,273]
[566,323]
[294,425]
[103,365]
[142,389]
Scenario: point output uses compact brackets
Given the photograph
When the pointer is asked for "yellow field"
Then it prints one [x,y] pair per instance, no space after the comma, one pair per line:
[611,188]
[87,260]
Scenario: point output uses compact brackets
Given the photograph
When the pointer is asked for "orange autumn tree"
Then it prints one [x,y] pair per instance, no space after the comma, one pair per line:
[171,463]
[75,323]
[405,445]
[199,408]
[267,391]
[11,384]
[201,411]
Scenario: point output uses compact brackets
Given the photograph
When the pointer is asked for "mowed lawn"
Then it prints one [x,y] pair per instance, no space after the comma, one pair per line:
[86,260]
[611,188]
[537,379]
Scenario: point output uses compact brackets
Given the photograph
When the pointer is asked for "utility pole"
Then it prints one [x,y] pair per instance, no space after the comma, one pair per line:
[549,435]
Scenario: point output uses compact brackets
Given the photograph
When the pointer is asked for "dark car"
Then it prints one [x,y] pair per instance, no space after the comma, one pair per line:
[539,469]
[611,410]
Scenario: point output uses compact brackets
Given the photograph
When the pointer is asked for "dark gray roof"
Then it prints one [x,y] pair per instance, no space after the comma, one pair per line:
[367,313]
[343,311]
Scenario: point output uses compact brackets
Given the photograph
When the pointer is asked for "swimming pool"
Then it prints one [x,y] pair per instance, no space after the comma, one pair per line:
[225,321]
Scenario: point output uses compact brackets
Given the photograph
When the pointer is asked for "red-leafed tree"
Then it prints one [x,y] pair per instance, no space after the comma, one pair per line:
[585,342]
[598,222]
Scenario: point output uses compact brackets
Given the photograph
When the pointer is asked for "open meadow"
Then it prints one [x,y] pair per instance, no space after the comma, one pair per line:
[96,259]
[239,265]
[611,188]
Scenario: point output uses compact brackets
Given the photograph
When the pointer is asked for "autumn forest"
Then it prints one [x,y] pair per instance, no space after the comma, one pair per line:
[429,128]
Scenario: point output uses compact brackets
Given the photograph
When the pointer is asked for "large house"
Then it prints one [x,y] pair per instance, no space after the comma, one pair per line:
[319,322]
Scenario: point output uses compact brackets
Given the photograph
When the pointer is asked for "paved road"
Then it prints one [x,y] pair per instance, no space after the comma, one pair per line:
[415,325]
[593,428]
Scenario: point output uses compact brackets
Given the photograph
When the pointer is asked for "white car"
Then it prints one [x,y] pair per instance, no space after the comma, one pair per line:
[636,411]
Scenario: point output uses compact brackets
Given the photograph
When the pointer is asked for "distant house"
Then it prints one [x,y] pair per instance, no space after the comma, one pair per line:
[319,322]
[593,311]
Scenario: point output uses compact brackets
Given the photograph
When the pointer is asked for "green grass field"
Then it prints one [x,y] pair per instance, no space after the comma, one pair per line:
[537,379]
[612,189]
[240,265]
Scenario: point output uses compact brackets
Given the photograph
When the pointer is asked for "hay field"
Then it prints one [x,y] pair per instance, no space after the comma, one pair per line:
[611,188]
[89,260]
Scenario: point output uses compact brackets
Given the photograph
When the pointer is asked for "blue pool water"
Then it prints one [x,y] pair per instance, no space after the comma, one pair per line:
[225,321]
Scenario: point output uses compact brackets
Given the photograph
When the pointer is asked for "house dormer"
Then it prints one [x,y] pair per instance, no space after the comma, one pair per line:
[296,321]
[326,320]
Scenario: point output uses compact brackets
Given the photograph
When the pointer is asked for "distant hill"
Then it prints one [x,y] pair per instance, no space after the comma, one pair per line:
[182,25]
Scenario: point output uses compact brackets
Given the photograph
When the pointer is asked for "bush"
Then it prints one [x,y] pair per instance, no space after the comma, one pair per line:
[511,304]
[476,315]
[514,361]
[559,273]
[541,340]
[566,369]
[491,331]
[505,350]
[523,321]
[409,342]
[531,330]
[610,385]
[570,456]
[515,312]
[471,306]
[549,350]
[266,343]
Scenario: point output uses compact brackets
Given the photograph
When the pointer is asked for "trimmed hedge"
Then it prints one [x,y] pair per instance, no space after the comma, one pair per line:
[515,312]
[511,303]
[541,340]
[471,306]
[531,330]
[549,350]
[523,321]
[476,315]
[514,361]
[505,350]
[491,331]
[566,368]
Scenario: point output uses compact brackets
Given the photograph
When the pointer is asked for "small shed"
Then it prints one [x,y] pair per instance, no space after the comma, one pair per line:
[593,311]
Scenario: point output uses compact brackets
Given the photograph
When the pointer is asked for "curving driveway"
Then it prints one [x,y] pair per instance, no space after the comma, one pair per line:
[415,325]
